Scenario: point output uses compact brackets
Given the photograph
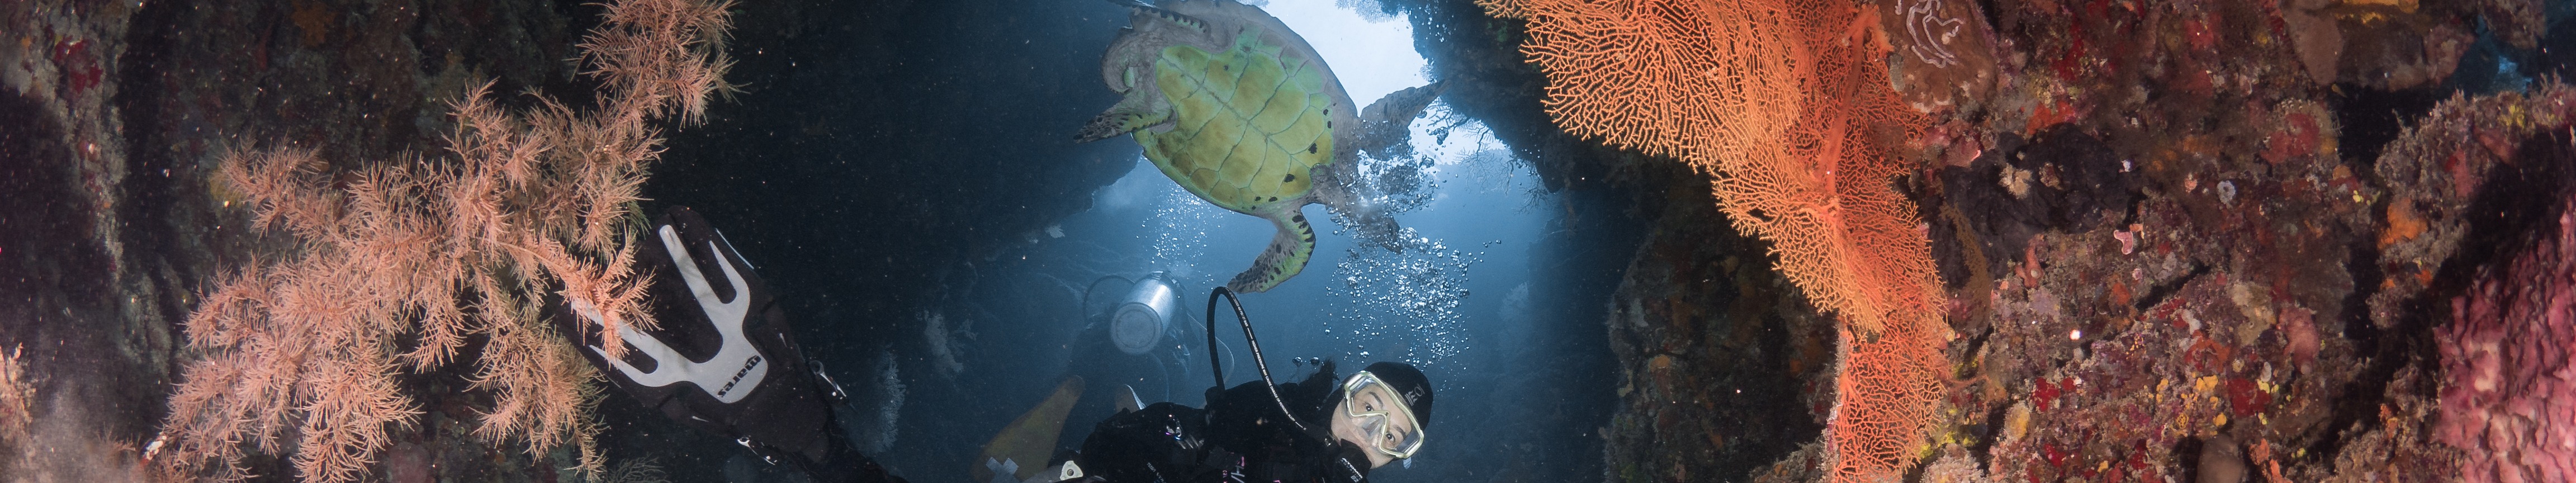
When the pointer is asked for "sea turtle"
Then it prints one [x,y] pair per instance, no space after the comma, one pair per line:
[1240,111]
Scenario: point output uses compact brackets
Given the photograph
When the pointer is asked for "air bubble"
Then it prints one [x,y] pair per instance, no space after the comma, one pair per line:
[1409,300]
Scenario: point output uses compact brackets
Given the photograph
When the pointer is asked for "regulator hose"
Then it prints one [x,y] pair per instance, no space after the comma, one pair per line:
[1250,341]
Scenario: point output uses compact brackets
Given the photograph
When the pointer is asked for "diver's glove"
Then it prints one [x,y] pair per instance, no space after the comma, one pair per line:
[720,358]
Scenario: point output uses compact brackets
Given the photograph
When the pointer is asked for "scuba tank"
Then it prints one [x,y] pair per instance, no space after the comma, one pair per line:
[1139,321]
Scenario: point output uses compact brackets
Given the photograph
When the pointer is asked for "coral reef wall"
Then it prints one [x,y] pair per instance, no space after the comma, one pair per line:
[2505,345]
[2507,403]
[1724,367]
[2183,240]
[92,318]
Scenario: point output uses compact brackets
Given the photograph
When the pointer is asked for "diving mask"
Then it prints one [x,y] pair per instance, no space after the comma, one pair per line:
[1381,415]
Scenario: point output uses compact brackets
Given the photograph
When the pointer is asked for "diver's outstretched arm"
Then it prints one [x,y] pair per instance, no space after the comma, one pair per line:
[719,356]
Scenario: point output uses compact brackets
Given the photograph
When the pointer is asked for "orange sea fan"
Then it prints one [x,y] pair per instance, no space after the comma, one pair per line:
[1774,102]
[1668,77]
[1785,106]
[1885,390]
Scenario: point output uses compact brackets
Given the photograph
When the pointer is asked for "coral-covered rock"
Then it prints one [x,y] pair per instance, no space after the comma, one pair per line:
[2434,170]
[2384,46]
[1725,367]
[2511,398]
[1944,53]
[2517,22]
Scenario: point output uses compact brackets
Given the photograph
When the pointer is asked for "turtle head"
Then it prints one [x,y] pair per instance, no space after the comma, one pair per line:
[1130,59]
[1128,67]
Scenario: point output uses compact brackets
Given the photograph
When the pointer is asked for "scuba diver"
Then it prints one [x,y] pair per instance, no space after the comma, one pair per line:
[720,359]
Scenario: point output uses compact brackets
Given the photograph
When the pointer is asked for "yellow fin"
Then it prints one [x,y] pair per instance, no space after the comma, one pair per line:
[1030,440]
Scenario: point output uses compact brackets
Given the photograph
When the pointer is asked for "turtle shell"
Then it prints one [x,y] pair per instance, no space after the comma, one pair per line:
[1247,124]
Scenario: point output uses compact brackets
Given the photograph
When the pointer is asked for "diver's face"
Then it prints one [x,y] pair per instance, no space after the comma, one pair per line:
[1353,423]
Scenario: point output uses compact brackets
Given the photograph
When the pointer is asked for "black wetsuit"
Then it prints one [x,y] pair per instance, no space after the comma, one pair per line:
[1240,437]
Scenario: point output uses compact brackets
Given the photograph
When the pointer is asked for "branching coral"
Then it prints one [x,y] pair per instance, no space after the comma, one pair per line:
[401,263]
[1786,107]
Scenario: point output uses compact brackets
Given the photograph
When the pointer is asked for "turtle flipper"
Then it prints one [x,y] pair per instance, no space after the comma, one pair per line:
[1385,128]
[1348,197]
[1135,112]
[1286,256]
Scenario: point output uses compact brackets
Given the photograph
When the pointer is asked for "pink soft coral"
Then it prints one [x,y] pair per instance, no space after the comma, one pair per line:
[2511,399]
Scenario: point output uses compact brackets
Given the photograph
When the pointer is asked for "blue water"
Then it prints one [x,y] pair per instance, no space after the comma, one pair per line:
[1443,303]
